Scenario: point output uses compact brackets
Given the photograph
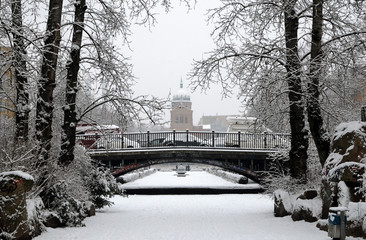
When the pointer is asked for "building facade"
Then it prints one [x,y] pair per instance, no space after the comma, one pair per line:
[217,123]
[7,84]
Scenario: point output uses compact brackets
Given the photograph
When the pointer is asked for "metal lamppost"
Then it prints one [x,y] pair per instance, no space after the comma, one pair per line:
[363,113]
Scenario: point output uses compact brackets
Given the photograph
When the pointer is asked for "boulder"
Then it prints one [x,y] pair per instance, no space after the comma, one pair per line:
[307,210]
[89,209]
[309,194]
[282,203]
[344,175]
[322,224]
[52,220]
[348,151]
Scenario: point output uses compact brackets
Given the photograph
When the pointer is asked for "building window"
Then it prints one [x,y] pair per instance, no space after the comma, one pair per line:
[181,119]
[186,120]
[176,119]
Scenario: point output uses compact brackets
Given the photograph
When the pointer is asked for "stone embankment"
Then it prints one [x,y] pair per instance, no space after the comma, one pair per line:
[129,177]
[233,177]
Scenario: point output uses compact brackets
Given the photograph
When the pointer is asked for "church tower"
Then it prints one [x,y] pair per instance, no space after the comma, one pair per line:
[181,114]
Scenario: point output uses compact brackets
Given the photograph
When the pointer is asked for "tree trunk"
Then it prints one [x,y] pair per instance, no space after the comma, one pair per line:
[70,121]
[320,135]
[47,82]
[299,135]
[20,71]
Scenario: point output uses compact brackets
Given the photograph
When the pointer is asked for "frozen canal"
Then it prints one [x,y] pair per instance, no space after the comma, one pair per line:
[188,217]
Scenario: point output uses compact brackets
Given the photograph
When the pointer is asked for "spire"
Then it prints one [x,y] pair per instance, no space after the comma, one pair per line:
[181,95]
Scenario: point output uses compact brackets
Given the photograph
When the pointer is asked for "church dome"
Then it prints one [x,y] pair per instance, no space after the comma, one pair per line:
[181,95]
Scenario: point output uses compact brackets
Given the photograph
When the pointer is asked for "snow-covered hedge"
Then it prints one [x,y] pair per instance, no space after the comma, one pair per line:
[357,214]
[129,177]
[234,177]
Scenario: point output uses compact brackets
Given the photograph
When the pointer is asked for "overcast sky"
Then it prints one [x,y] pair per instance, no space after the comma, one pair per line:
[164,54]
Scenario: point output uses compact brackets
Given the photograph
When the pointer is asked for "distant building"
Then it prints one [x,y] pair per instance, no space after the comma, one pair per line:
[181,113]
[217,123]
[7,84]
[360,95]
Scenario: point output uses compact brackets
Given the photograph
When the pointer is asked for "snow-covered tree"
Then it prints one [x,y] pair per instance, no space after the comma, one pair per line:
[277,48]
[47,81]
[105,75]
[258,42]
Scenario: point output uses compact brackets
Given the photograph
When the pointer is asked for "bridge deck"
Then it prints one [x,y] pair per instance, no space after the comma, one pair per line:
[240,152]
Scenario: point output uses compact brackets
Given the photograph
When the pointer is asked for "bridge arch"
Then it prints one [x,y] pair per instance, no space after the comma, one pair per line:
[242,161]
[227,166]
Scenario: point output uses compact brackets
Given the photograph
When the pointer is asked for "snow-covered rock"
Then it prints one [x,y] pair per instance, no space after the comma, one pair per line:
[348,153]
[306,206]
[14,186]
[344,180]
[308,210]
[282,203]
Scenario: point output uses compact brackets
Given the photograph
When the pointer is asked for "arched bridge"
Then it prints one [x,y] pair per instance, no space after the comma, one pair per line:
[244,153]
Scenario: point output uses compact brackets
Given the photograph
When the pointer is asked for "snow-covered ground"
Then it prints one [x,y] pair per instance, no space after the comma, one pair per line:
[189,217]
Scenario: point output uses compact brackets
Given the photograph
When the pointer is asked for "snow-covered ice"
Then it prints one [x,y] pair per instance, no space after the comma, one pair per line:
[189,217]
[193,179]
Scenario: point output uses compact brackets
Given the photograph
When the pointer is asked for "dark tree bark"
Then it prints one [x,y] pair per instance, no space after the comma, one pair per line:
[299,135]
[70,120]
[20,71]
[315,119]
[47,82]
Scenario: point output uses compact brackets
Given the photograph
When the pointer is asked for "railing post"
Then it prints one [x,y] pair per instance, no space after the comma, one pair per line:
[173,136]
[213,138]
[122,139]
[239,139]
[187,135]
[148,138]
[265,139]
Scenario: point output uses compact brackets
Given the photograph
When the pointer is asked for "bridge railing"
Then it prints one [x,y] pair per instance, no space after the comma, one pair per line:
[187,138]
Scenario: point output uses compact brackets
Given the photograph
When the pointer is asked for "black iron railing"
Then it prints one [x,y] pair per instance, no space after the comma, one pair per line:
[185,139]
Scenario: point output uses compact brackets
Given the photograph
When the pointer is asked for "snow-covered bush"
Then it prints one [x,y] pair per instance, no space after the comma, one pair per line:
[356,213]
[68,210]
[69,192]
[90,182]
[278,176]
[102,185]
[361,190]
[34,207]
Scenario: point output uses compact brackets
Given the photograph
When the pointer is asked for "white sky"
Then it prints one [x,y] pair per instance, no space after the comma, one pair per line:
[164,54]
